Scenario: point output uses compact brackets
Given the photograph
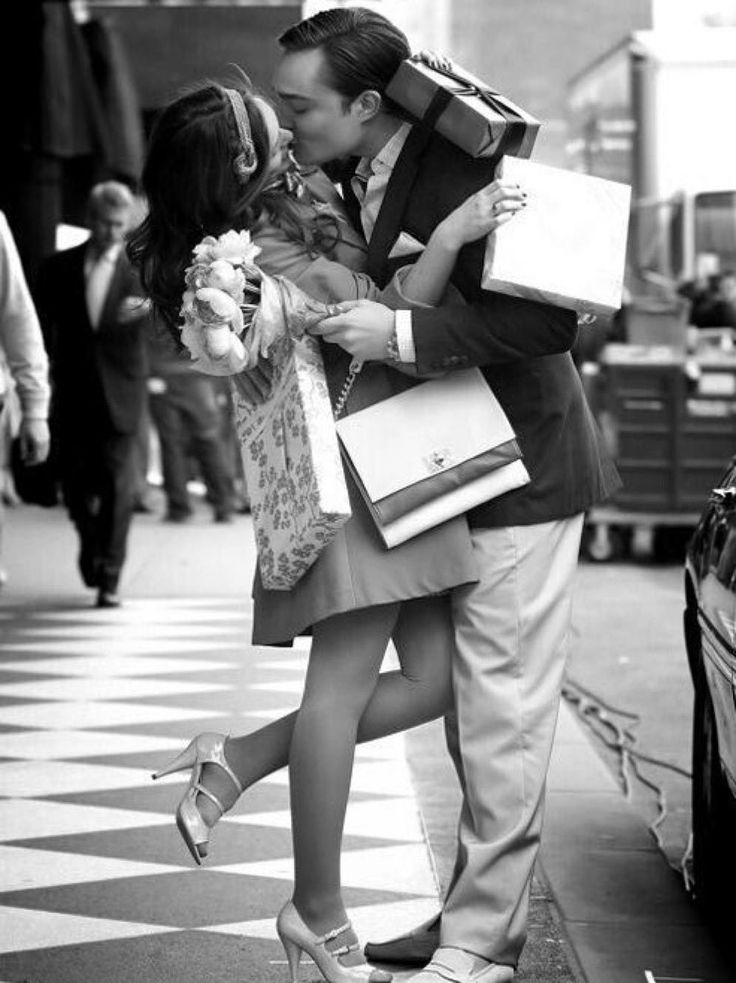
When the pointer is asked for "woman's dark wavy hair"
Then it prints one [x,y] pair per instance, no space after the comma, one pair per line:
[191,190]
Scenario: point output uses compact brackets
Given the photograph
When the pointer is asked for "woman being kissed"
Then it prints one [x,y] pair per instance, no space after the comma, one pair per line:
[218,160]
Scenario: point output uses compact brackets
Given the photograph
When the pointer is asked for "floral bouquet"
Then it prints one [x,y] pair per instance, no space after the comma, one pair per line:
[234,312]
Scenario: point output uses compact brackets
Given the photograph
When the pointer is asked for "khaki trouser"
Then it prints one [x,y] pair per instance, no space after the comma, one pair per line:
[511,633]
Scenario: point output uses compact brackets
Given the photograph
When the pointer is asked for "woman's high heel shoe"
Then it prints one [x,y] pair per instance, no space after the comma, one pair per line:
[296,937]
[205,749]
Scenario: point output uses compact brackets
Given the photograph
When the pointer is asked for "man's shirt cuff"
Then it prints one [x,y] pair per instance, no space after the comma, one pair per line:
[405,337]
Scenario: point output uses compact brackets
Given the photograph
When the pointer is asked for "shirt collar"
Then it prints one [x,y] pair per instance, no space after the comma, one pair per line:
[387,156]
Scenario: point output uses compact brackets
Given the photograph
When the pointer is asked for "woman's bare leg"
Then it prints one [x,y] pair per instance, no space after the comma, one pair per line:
[420,691]
[344,663]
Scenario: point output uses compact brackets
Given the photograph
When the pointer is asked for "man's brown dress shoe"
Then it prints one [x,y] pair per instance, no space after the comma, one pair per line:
[415,948]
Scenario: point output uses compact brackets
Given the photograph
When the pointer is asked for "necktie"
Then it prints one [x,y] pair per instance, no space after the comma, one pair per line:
[368,190]
[96,288]
[359,183]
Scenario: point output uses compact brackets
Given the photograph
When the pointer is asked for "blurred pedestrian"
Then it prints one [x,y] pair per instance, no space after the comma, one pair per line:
[23,365]
[716,306]
[232,445]
[141,498]
[94,317]
[184,409]
[698,287]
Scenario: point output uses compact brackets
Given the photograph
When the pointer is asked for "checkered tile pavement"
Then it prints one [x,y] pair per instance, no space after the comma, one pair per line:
[95,883]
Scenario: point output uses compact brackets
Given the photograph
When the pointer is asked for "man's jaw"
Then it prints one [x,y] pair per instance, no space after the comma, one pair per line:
[311,160]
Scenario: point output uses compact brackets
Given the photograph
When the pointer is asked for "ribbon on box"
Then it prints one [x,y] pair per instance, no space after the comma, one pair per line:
[510,142]
[465,110]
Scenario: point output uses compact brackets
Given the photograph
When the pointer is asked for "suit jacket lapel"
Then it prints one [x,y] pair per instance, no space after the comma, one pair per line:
[78,284]
[388,223]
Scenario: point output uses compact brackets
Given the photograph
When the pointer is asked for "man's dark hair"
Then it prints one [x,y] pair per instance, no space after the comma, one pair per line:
[362,49]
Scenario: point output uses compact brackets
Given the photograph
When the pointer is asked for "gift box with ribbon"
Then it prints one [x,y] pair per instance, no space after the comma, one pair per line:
[291,459]
[466,111]
[568,246]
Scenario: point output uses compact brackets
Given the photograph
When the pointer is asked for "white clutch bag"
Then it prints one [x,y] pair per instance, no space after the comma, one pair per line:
[431,453]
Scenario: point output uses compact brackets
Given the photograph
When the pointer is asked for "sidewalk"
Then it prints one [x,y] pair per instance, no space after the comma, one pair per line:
[96,884]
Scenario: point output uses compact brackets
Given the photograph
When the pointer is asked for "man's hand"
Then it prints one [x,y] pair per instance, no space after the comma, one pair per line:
[132,308]
[156,386]
[255,384]
[363,329]
[34,441]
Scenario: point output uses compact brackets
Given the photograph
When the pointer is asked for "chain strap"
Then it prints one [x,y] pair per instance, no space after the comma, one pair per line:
[353,373]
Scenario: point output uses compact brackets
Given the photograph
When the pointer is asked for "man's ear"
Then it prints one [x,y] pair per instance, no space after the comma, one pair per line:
[367,105]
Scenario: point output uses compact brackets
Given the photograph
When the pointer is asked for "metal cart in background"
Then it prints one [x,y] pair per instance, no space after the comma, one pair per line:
[668,415]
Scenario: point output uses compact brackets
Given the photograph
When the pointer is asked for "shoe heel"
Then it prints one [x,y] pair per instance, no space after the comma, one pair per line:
[293,956]
[187,759]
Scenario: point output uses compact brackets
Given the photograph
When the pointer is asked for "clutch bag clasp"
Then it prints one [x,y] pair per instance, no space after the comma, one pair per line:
[438,460]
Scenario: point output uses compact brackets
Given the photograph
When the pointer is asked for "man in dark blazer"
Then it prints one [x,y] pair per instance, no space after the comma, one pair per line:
[94,316]
[511,628]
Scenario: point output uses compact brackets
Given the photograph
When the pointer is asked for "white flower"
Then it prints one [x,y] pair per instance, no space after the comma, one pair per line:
[219,274]
[224,276]
[233,360]
[213,306]
[235,247]
[216,284]
[218,340]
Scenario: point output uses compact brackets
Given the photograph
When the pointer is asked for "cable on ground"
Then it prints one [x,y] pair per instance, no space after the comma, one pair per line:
[621,738]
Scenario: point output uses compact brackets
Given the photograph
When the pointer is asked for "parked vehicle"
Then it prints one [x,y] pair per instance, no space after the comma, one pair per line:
[710,636]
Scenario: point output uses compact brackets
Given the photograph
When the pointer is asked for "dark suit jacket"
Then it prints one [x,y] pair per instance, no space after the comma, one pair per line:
[98,376]
[522,346]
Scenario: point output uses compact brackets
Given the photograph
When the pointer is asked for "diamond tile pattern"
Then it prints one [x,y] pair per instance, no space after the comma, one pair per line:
[95,882]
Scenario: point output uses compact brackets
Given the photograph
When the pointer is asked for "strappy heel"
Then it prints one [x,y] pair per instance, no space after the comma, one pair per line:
[296,937]
[205,749]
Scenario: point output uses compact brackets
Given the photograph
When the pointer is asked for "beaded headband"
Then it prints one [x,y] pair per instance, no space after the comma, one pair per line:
[247,160]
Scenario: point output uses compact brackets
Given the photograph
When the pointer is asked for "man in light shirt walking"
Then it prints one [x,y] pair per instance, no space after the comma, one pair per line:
[23,365]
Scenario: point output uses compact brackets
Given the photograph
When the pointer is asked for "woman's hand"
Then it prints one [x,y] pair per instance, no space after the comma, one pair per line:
[432,59]
[481,214]
[132,309]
